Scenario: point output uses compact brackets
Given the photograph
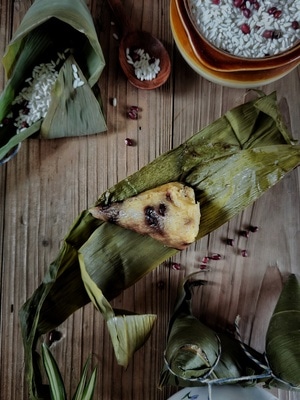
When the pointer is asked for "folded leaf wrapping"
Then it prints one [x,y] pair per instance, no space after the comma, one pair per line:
[196,355]
[283,336]
[49,28]
[229,164]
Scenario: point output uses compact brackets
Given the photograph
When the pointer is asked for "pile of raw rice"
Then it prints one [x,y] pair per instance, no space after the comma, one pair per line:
[145,67]
[249,28]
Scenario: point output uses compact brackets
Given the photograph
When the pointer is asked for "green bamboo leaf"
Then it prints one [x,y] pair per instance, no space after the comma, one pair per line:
[128,332]
[57,388]
[195,354]
[283,335]
[90,387]
[82,383]
[85,388]
[79,105]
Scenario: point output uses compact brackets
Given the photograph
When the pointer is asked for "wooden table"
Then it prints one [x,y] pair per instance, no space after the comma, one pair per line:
[49,183]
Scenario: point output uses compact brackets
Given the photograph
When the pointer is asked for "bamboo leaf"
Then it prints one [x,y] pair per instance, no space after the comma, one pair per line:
[81,385]
[57,388]
[128,332]
[283,335]
[85,389]
[90,387]
[195,354]
[72,110]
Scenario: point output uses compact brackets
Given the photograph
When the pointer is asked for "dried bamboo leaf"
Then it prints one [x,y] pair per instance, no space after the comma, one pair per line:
[47,29]
[283,336]
[115,258]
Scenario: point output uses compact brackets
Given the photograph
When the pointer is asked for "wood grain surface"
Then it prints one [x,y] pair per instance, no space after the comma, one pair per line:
[49,182]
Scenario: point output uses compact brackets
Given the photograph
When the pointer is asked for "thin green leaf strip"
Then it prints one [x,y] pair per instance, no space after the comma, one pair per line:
[57,388]
[86,387]
[90,387]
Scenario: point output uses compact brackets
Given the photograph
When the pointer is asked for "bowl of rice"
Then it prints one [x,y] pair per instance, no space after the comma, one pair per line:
[250,42]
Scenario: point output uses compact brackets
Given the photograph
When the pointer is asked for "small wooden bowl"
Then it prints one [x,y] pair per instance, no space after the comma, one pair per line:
[219,60]
[151,45]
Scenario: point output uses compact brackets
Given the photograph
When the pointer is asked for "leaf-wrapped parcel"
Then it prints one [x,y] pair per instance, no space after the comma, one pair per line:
[229,164]
[196,355]
[283,337]
[60,33]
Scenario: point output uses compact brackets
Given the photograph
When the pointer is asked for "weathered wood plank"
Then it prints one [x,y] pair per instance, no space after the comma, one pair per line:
[48,183]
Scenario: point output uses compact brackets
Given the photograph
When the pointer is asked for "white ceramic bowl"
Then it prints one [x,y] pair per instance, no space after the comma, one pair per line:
[224,392]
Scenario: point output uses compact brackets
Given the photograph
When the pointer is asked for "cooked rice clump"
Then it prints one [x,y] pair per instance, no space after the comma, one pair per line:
[221,25]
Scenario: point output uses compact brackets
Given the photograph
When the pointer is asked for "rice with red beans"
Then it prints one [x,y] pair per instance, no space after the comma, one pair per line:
[252,28]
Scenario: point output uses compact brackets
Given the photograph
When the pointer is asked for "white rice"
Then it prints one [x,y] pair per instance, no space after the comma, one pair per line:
[221,25]
[145,67]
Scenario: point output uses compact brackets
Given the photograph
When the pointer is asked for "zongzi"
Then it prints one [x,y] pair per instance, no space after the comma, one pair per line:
[168,213]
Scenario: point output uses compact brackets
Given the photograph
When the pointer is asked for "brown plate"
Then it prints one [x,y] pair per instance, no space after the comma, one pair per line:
[220,60]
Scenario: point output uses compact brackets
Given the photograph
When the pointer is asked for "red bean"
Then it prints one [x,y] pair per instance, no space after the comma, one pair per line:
[176,266]
[129,142]
[245,28]
[268,34]
[245,234]
[135,108]
[238,3]
[244,253]
[230,242]
[132,114]
[216,2]
[272,10]
[215,256]
[295,25]
[277,14]
[247,13]
[256,5]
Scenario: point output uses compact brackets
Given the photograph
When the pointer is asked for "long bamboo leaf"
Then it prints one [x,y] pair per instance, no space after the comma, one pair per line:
[85,388]
[57,388]
[90,387]
[283,336]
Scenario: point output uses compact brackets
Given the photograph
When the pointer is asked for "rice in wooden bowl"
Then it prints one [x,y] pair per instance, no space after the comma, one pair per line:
[245,34]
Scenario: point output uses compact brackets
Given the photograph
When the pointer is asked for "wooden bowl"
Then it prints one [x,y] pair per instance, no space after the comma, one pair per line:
[237,79]
[151,45]
[219,60]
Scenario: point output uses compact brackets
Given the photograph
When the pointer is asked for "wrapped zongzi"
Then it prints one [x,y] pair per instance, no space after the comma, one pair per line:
[52,65]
